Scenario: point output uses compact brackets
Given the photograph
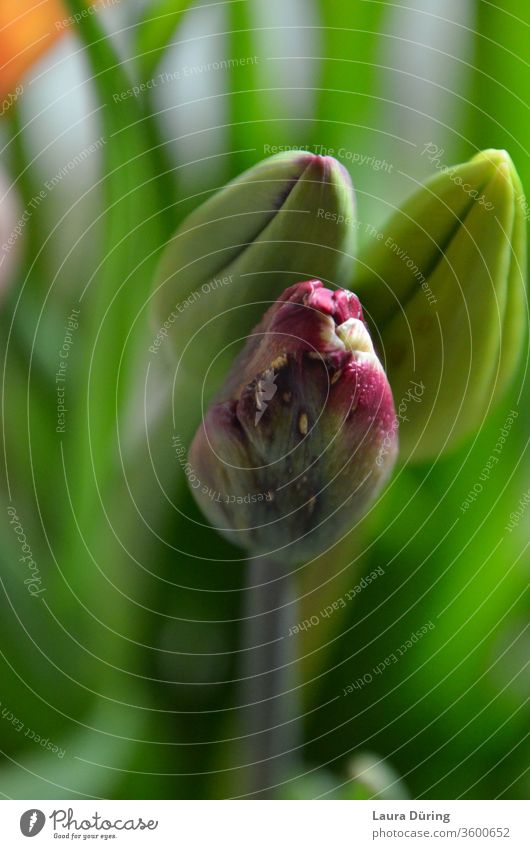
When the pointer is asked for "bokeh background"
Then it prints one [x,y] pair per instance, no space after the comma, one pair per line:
[120,678]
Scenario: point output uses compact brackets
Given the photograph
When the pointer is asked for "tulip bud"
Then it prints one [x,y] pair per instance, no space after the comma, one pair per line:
[285,220]
[303,433]
[445,288]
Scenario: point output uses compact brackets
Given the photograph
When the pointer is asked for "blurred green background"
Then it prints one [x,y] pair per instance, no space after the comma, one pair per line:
[128,661]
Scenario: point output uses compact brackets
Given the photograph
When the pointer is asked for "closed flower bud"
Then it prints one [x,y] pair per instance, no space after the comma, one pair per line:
[303,433]
[444,289]
[285,220]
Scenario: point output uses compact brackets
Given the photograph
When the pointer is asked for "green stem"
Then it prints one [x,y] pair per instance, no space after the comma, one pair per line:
[269,705]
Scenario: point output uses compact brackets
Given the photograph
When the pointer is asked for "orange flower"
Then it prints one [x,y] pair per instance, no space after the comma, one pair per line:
[27,29]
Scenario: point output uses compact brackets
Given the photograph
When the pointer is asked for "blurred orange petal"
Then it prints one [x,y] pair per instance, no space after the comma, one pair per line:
[27,29]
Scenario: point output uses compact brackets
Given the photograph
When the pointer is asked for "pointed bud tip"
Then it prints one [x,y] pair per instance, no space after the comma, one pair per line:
[498,158]
[324,167]
[316,168]
[499,166]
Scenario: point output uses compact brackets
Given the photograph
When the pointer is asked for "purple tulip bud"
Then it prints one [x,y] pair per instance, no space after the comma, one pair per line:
[10,233]
[303,434]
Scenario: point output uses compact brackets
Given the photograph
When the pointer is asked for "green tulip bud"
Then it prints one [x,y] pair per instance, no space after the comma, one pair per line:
[445,289]
[287,219]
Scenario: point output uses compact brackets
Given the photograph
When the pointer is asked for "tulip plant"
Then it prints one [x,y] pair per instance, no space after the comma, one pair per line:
[301,425]
[246,384]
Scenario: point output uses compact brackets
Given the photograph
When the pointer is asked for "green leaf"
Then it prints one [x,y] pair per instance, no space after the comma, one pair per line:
[249,101]
[502,80]
[349,115]
[89,762]
[134,228]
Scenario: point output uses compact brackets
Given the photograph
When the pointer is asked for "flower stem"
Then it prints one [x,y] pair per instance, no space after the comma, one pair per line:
[269,705]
